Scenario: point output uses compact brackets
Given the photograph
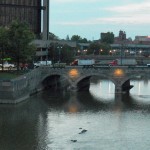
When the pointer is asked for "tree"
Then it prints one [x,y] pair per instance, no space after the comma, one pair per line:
[76,38]
[84,40]
[105,48]
[67,54]
[52,36]
[20,38]
[79,39]
[63,52]
[67,38]
[3,43]
[96,47]
[3,39]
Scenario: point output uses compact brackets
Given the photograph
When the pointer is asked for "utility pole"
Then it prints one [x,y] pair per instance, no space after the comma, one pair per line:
[46,54]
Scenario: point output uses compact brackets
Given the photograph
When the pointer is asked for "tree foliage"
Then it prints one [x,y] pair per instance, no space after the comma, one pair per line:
[63,52]
[79,39]
[97,48]
[3,41]
[67,54]
[52,36]
[20,38]
[76,38]
[15,42]
[3,44]
[67,38]
[94,48]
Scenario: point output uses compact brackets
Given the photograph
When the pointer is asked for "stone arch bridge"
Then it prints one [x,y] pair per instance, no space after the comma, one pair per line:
[73,78]
[78,78]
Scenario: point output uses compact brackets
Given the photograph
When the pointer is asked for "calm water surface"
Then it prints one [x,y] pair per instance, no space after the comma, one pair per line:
[55,120]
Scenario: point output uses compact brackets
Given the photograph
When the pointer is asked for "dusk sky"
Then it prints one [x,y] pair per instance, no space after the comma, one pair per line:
[88,18]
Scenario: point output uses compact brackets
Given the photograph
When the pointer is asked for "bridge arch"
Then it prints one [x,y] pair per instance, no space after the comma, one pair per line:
[121,84]
[83,82]
[56,80]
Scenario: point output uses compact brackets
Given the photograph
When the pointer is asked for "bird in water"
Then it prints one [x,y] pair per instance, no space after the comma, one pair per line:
[83,131]
[73,140]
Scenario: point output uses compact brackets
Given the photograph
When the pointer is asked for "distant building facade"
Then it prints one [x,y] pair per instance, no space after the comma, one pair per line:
[103,35]
[23,10]
[122,35]
[142,40]
[121,38]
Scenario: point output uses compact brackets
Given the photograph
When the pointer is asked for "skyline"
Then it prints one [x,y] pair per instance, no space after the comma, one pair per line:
[89,18]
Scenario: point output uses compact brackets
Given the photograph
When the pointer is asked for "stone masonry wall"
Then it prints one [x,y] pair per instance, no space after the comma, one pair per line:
[19,89]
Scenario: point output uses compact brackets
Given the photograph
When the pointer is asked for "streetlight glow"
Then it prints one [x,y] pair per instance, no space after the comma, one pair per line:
[73,73]
[118,72]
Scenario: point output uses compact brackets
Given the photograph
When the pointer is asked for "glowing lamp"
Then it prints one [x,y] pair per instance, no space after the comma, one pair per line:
[118,72]
[73,73]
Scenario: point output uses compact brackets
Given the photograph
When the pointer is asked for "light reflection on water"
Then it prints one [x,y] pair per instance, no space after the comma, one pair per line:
[103,90]
[52,119]
[141,91]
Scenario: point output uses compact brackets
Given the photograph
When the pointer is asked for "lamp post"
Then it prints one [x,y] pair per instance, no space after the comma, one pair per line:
[78,52]
[122,50]
[100,51]
[46,54]
[2,57]
[114,52]
[110,52]
[85,51]
[140,52]
[121,54]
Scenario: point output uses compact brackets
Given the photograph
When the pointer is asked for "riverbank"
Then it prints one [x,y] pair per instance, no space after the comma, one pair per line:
[11,74]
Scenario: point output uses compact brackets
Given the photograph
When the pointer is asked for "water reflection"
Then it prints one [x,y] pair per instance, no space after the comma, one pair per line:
[141,90]
[104,89]
[51,119]
[138,98]
[19,125]
[100,97]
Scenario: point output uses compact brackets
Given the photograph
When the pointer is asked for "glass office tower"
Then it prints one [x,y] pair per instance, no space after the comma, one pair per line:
[23,10]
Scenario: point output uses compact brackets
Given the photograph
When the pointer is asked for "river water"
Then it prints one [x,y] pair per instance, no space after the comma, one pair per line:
[55,120]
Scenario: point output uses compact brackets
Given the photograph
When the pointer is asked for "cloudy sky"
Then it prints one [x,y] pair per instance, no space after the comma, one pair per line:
[88,18]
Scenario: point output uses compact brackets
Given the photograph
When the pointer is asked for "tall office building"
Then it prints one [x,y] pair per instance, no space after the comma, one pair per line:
[23,10]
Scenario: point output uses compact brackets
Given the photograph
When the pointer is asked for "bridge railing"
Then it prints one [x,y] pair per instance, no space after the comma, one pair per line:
[130,68]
